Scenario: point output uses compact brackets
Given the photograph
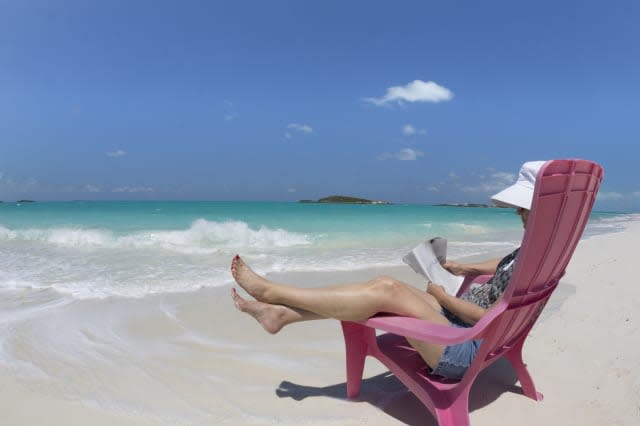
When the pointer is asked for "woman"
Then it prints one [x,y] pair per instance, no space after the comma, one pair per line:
[278,305]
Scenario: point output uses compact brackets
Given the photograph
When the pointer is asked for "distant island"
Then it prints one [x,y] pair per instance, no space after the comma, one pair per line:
[344,200]
[25,201]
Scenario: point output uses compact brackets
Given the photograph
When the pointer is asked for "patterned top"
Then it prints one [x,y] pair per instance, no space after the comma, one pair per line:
[486,294]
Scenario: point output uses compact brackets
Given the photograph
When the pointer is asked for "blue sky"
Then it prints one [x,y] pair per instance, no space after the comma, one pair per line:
[407,101]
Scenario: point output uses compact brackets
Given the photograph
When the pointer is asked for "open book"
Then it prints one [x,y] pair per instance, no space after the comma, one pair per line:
[426,259]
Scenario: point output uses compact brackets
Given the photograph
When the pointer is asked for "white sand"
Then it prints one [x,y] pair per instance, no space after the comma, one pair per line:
[193,359]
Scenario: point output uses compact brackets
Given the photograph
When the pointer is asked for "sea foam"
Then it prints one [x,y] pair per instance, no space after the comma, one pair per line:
[202,236]
[132,252]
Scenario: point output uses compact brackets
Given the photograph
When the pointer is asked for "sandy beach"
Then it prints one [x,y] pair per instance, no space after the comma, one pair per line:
[193,359]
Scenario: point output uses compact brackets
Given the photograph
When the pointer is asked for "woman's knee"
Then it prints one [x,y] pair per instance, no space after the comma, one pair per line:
[386,286]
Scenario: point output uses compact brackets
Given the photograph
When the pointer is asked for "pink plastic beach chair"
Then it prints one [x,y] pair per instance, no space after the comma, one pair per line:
[563,197]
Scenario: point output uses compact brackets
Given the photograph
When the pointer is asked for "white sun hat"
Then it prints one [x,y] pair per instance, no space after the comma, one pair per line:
[520,194]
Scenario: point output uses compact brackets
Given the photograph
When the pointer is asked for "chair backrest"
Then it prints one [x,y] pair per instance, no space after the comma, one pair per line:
[563,197]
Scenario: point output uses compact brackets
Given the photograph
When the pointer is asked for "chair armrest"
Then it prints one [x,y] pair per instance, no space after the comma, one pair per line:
[435,333]
[470,279]
[423,330]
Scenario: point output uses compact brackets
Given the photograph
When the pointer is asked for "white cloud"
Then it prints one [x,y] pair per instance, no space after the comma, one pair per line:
[293,128]
[117,153]
[9,184]
[496,181]
[492,182]
[409,130]
[292,190]
[409,154]
[416,91]
[302,128]
[609,196]
[90,188]
[406,154]
[503,178]
[482,187]
[229,111]
[132,189]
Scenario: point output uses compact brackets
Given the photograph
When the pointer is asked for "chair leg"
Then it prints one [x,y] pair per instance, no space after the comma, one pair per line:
[457,414]
[356,342]
[515,358]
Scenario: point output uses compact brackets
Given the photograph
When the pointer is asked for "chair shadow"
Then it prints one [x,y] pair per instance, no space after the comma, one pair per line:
[387,393]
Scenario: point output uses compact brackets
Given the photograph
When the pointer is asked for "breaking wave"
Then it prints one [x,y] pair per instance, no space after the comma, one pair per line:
[202,236]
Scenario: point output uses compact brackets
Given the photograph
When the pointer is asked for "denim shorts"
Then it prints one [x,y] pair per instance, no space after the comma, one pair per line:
[456,359]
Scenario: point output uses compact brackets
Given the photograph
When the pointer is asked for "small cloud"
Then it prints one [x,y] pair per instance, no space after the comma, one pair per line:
[303,128]
[416,91]
[496,181]
[293,128]
[409,154]
[406,154]
[433,189]
[10,184]
[610,196]
[229,111]
[409,130]
[503,178]
[132,189]
[292,190]
[116,154]
[90,188]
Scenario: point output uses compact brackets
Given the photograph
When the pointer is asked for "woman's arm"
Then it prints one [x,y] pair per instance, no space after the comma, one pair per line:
[484,268]
[468,312]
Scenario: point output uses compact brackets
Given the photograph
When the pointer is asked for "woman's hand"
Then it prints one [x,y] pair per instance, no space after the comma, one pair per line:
[436,290]
[454,267]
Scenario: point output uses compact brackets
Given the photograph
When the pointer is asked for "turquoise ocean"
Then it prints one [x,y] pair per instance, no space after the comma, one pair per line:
[133,249]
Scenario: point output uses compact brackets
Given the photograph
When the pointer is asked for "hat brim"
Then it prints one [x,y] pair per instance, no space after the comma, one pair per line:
[516,195]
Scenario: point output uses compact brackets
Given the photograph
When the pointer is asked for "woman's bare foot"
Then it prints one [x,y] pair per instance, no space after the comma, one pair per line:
[251,282]
[271,317]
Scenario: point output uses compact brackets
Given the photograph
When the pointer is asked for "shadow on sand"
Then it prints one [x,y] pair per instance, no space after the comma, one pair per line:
[390,395]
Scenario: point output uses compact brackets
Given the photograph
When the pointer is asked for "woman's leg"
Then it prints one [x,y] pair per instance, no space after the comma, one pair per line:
[348,302]
[271,317]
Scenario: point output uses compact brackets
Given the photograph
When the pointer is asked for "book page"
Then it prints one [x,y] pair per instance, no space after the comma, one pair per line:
[424,261]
